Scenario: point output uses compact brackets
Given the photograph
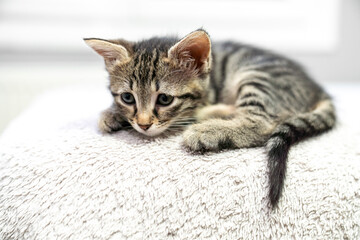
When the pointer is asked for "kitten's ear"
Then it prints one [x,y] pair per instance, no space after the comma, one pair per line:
[194,50]
[110,51]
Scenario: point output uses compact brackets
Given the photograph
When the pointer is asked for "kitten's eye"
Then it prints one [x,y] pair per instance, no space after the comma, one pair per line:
[128,98]
[164,99]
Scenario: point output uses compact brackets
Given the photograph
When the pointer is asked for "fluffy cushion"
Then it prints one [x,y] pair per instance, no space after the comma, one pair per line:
[61,178]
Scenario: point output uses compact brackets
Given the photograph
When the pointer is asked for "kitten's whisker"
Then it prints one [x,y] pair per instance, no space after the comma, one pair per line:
[183,122]
[185,119]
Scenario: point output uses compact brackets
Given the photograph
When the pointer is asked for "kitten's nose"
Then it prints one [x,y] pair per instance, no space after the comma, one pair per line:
[145,127]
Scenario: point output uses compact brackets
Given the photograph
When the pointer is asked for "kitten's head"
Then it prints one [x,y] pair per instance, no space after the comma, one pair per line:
[160,82]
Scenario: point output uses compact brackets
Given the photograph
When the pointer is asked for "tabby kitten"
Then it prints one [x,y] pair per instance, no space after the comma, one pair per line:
[240,96]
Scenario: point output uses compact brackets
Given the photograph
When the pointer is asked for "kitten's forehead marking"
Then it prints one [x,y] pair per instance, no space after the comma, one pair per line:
[131,84]
[157,85]
[145,64]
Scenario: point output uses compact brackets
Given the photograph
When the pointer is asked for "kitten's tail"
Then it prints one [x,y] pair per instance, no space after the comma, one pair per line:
[291,131]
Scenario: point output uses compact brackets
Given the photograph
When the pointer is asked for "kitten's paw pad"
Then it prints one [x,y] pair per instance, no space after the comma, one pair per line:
[109,123]
[198,138]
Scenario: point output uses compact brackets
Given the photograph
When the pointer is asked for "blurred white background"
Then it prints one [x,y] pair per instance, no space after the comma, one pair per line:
[41,43]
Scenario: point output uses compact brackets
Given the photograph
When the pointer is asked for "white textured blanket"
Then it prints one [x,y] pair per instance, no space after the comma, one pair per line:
[61,179]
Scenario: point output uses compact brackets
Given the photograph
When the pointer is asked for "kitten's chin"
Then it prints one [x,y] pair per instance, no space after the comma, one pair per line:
[151,132]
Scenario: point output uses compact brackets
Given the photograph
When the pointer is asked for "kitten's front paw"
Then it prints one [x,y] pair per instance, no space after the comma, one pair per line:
[204,137]
[109,122]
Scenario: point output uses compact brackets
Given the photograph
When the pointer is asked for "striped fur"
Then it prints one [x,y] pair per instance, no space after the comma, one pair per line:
[239,96]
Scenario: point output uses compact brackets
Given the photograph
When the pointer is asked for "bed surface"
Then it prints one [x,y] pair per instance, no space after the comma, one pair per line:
[61,178]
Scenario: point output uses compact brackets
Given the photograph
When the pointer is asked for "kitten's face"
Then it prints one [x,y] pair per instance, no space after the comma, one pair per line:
[157,84]
[153,95]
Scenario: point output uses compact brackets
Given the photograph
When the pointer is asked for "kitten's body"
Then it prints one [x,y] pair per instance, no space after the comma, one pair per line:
[241,96]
